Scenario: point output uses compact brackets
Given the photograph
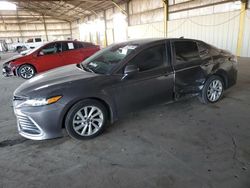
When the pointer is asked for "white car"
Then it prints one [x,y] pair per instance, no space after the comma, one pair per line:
[30,44]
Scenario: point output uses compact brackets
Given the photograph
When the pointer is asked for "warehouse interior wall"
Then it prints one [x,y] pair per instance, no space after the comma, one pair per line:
[246,36]
[220,30]
[75,30]
[222,23]
[22,25]
[216,23]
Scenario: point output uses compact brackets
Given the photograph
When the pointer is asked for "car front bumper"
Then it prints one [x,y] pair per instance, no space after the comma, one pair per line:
[39,123]
[7,72]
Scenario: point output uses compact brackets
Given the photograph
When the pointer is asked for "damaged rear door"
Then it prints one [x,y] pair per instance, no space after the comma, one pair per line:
[188,63]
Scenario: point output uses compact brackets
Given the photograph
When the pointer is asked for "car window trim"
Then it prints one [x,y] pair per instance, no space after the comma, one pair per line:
[174,53]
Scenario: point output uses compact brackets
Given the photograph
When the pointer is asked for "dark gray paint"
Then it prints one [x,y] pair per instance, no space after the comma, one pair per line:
[119,94]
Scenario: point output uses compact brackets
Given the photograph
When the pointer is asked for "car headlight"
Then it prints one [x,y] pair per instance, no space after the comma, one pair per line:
[10,64]
[39,102]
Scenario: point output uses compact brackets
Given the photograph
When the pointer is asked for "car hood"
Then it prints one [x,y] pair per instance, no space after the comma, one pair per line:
[53,80]
[7,61]
[19,58]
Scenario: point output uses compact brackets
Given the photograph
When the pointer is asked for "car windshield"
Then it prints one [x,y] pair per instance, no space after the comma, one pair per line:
[30,51]
[105,60]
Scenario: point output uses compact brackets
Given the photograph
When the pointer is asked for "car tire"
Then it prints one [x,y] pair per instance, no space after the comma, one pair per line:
[212,91]
[86,119]
[19,49]
[26,71]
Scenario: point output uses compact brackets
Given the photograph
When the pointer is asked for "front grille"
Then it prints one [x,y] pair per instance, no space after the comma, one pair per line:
[27,126]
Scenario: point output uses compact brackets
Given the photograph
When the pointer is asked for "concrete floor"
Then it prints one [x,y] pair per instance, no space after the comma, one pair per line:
[183,144]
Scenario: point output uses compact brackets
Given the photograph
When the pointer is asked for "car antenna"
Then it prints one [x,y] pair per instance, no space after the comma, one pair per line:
[182,37]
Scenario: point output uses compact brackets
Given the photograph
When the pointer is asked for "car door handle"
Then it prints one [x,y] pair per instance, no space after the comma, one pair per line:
[207,64]
[168,74]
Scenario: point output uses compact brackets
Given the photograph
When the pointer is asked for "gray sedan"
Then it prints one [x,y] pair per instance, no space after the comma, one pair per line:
[119,79]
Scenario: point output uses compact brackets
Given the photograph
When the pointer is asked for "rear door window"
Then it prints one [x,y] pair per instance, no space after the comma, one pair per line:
[79,45]
[66,46]
[87,44]
[186,51]
[84,44]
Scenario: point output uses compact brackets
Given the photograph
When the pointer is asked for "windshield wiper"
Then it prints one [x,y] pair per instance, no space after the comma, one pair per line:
[84,67]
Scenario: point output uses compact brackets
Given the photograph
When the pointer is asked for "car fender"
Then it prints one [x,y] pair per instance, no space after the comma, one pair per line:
[99,97]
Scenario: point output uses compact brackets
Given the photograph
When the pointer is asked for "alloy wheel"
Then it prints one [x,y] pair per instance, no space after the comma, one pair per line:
[27,72]
[214,90]
[88,120]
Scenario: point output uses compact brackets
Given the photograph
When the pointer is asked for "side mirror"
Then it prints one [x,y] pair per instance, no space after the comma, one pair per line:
[41,53]
[130,70]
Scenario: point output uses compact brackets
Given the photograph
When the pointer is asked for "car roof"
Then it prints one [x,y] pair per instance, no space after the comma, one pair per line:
[142,42]
[139,42]
[68,41]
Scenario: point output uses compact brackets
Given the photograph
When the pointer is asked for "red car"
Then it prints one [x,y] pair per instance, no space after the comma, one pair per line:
[48,56]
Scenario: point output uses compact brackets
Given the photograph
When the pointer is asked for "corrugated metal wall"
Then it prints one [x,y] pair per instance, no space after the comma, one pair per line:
[20,26]
[146,30]
[246,36]
[220,30]
[75,30]
[216,24]
[110,26]
[146,19]
[56,30]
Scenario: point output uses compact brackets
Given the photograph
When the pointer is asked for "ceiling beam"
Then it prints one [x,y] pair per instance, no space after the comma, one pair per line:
[96,1]
[42,13]
[67,10]
[71,9]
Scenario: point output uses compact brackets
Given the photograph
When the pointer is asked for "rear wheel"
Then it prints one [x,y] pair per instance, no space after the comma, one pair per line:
[212,90]
[26,71]
[86,119]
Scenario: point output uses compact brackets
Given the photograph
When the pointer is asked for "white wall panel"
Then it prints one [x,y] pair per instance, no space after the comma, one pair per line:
[246,36]
[220,30]
[75,31]
[138,6]
[56,30]
[152,30]
[110,36]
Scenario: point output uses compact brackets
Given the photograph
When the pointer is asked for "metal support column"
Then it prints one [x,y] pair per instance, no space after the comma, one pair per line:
[165,3]
[19,26]
[45,29]
[241,28]
[128,12]
[119,7]
[71,33]
[105,31]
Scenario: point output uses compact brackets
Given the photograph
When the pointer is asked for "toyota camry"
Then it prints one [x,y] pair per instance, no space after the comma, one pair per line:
[121,78]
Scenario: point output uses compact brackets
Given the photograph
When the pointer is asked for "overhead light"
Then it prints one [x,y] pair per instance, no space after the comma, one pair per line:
[4,5]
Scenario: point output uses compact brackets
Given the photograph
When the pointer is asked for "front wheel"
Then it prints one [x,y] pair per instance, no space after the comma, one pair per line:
[26,71]
[212,90]
[86,119]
